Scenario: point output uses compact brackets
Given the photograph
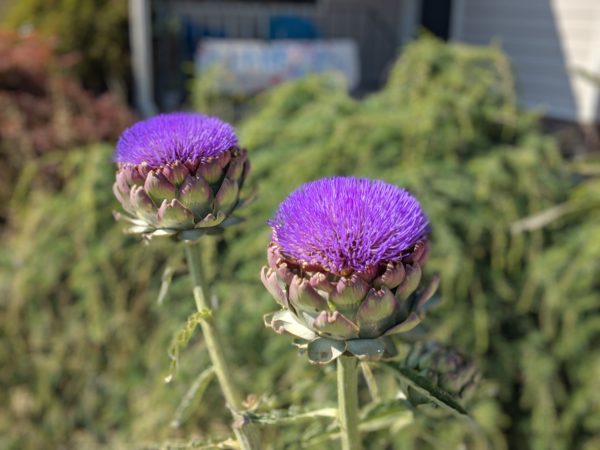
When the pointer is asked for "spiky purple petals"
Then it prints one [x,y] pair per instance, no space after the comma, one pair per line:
[345,263]
[179,174]
[347,225]
[182,137]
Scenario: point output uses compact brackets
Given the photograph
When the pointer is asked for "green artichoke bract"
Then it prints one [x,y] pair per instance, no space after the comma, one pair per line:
[179,174]
[444,367]
[345,264]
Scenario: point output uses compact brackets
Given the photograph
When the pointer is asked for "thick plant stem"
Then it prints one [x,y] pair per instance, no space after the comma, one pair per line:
[347,372]
[247,435]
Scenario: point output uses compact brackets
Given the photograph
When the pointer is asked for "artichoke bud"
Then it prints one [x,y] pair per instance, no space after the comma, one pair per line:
[196,195]
[444,367]
[341,246]
[171,175]
[376,313]
[158,187]
[410,282]
[304,298]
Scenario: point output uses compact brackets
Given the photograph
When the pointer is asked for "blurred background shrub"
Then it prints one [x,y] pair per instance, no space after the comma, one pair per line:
[516,238]
[94,30]
[45,108]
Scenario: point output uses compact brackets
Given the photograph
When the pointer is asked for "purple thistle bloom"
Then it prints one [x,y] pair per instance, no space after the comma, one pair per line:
[179,175]
[168,138]
[345,224]
[345,264]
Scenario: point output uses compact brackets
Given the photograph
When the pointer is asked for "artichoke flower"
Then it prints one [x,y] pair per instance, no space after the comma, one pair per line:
[444,367]
[179,174]
[345,263]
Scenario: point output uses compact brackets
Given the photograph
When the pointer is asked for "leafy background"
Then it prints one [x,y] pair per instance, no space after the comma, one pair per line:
[516,239]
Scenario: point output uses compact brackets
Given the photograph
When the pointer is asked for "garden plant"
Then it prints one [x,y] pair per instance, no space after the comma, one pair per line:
[93,320]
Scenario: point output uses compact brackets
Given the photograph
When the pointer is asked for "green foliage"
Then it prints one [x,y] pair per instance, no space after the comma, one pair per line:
[85,345]
[95,29]
[447,126]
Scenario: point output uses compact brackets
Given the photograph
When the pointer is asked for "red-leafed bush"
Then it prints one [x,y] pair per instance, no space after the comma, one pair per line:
[44,108]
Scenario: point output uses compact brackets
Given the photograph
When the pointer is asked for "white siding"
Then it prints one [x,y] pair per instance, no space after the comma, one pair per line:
[547,42]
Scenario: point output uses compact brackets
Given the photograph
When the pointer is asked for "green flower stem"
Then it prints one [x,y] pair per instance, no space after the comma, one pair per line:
[347,371]
[246,434]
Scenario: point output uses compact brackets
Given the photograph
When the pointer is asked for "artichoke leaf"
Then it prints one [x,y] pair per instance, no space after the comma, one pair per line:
[325,350]
[284,321]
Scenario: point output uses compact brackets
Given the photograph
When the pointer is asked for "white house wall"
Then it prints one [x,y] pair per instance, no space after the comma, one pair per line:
[548,42]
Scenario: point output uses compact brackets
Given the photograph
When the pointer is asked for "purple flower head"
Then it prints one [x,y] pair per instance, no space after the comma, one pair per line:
[346,224]
[168,138]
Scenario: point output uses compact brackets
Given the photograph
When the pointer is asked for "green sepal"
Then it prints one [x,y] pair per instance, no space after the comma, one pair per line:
[348,295]
[211,220]
[335,325]
[376,313]
[122,196]
[196,195]
[284,321]
[269,279]
[427,294]
[175,173]
[304,297]
[172,214]
[367,349]
[211,171]
[320,282]
[191,234]
[235,169]
[349,291]
[159,188]
[142,205]
[131,176]
[410,283]
[407,324]
[392,277]
[227,196]
[324,350]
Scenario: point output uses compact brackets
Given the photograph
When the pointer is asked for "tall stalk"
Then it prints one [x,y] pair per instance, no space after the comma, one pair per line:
[247,435]
[347,379]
